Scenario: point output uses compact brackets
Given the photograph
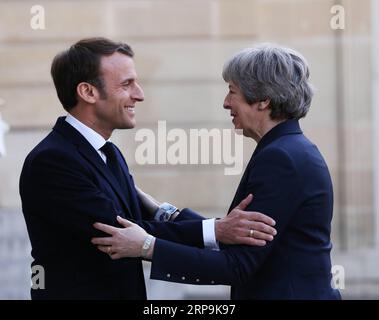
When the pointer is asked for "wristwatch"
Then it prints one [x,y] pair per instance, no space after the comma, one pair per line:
[165,212]
[146,246]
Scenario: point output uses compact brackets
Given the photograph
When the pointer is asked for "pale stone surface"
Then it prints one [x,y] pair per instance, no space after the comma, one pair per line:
[73,20]
[160,18]
[27,64]
[32,107]
[300,19]
[237,18]
[19,144]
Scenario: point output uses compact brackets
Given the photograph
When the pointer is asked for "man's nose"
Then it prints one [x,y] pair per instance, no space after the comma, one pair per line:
[138,93]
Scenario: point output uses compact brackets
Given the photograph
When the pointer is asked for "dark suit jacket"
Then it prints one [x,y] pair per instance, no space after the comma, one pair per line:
[65,187]
[290,182]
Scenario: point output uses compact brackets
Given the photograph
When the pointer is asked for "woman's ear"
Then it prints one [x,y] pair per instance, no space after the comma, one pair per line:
[264,104]
[87,92]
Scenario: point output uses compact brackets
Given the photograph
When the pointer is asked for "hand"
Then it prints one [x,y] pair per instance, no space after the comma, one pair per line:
[124,242]
[236,227]
[150,204]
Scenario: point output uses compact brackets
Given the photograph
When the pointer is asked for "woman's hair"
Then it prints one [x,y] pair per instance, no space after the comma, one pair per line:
[275,73]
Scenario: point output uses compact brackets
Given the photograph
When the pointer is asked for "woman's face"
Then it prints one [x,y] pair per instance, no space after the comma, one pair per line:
[246,117]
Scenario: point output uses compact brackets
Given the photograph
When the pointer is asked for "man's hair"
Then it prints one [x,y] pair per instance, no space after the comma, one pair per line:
[81,63]
[272,72]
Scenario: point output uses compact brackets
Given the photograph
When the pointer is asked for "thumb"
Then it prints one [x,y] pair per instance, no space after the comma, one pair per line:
[124,222]
[245,202]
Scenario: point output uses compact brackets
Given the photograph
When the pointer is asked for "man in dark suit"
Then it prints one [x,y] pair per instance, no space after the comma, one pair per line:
[269,92]
[76,176]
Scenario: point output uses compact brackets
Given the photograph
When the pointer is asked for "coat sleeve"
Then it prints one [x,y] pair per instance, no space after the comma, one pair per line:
[56,188]
[274,181]
[186,229]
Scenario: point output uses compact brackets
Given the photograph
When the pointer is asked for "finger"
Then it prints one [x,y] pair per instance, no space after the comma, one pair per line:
[245,202]
[251,241]
[105,241]
[260,226]
[124,222]
[257,216]
[262,236]
[115,256]
[104,249]
[105,228]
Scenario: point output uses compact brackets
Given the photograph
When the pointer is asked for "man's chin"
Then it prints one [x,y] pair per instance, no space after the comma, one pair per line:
[129,125]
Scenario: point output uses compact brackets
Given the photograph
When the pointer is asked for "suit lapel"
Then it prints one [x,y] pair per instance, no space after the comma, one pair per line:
[91,155]
[241,187]
[131,189]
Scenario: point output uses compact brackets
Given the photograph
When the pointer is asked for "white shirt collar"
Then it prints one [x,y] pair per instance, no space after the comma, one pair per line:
[95,139]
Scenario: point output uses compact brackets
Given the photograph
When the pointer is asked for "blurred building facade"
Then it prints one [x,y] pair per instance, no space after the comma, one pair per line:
[180,48]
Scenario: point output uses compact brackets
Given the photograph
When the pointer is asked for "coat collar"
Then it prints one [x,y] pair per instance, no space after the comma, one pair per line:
[284,128]
[85,148]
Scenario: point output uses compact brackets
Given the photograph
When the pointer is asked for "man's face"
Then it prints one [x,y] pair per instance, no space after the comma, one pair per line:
[116,110]
[245,116]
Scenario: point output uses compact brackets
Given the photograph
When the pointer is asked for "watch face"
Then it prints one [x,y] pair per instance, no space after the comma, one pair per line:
[170,209]
[165,216]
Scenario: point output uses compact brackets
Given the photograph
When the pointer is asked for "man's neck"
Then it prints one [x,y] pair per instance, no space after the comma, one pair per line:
[91,122]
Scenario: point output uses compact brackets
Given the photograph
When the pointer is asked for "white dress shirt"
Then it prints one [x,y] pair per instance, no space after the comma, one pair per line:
[94,139]
[97,141]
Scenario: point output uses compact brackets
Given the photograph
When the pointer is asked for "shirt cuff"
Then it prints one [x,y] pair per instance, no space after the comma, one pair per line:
[209,235]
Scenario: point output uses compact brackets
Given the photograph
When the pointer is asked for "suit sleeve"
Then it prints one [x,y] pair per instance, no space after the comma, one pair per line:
[188,232]
[186,229]
[274,181]
[58,189]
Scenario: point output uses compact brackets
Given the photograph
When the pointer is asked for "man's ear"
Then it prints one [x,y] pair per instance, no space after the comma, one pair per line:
[264,104]
[87,92]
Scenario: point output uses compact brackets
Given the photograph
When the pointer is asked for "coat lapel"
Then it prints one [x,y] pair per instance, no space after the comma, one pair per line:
[134,206]
[91,155]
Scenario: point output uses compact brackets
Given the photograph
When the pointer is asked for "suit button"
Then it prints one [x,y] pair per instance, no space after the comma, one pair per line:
[168,275]
[197,280]
[212,282]
[183,278]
